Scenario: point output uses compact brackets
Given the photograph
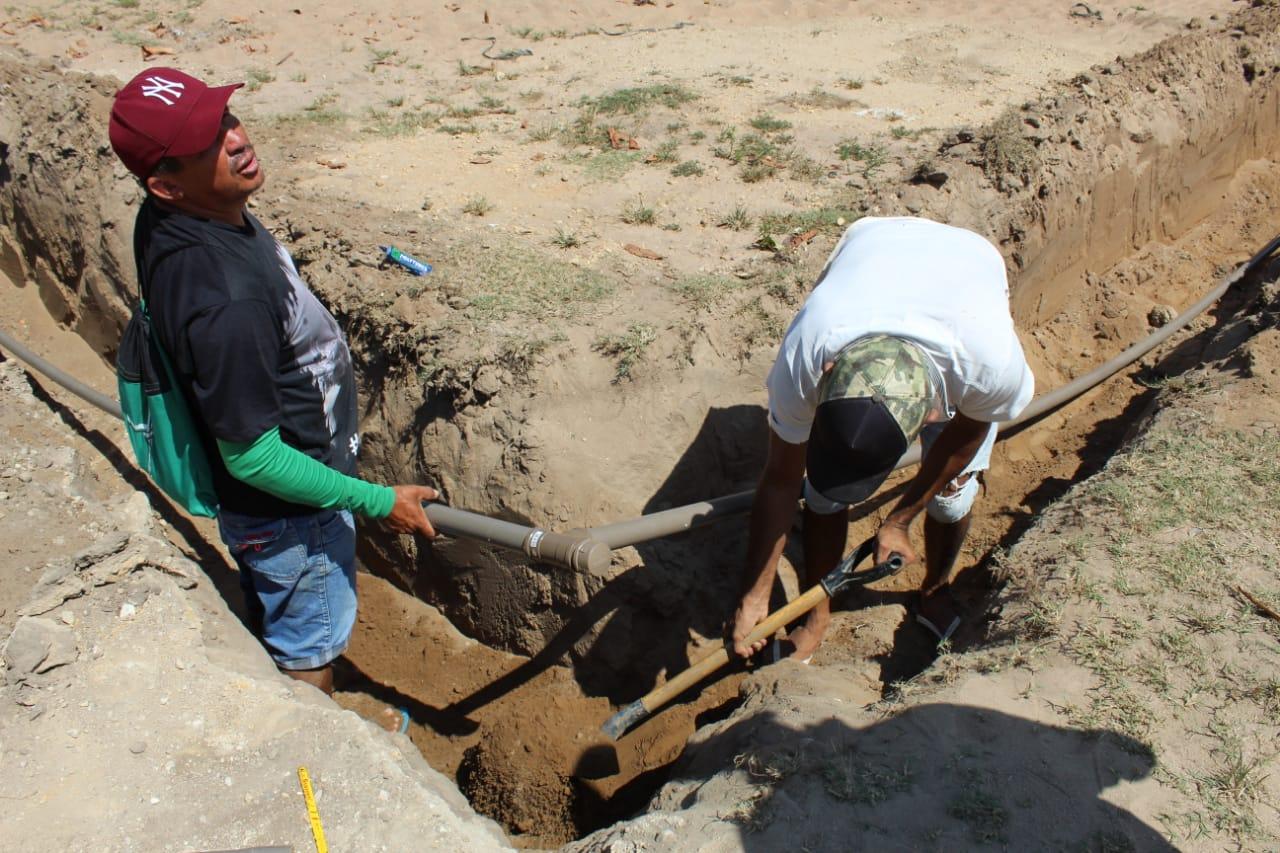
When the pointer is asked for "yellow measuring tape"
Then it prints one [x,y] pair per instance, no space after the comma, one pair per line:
[313,814]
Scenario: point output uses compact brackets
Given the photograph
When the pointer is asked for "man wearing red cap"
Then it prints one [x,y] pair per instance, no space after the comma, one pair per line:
[263,366]
[907,334]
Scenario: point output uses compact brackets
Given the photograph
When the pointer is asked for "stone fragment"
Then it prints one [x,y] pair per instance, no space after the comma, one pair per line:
[37,645]
[134,516]
[1161,315]
[488,381]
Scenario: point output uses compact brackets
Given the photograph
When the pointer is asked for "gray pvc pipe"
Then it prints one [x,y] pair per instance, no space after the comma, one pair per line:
[589,549]
[679,519]
[66,380]
[574,550]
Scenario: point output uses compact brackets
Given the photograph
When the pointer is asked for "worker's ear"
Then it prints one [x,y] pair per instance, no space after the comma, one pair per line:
[163,188]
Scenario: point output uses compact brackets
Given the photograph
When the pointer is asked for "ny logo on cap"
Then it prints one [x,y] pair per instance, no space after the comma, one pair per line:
[160,87]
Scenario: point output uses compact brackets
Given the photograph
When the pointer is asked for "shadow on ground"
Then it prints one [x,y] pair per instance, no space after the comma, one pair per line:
[937,776]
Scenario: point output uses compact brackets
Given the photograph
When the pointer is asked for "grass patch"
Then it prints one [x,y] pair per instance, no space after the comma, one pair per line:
[1005,151]
[687,169]
[382,56]
[564,239]
[405,123]
[544,132]
[767,123]
[256,78]
[667,152]
[506,280]
[826,220]
[634,100]
[748,149]
[610,165]
[818,98]
[528,33]
[638,213]
[627,349]
[1232,788]
[848,778]
[477,206]
[465,70]
[457,129]
[760,326]
[872,157]
[736,220]
[982,813]
[703,291]
[133,39]
[319,112]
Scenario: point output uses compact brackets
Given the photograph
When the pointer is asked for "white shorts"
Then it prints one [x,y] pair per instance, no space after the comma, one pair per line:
[945,508]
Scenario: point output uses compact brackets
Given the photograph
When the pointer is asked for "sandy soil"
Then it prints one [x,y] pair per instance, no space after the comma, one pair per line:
[547,372]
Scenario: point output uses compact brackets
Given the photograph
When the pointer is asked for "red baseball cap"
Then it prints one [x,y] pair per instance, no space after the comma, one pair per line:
[163,112]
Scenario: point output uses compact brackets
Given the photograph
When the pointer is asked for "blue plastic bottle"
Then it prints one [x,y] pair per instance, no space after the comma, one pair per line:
[409,262]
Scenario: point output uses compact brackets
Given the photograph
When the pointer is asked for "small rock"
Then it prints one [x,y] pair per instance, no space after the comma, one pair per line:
[67,617]
[128,610]
[1161,315]
[138,747]
[489,381]
[24,477]
[134,516]
[73,733]
[37,645]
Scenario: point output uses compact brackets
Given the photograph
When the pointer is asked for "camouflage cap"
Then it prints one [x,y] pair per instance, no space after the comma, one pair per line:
[871,406]
[892,371]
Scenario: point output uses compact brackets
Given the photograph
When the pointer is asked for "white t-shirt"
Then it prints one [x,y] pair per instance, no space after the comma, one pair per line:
[939,286]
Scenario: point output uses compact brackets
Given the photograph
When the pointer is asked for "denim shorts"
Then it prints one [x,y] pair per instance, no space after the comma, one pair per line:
[299,581]
[945,508]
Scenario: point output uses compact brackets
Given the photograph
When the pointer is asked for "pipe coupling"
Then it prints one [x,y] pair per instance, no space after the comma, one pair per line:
[574,549]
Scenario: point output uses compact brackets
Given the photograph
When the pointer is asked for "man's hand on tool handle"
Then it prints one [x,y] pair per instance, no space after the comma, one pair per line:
[894,538]
[407,515]
[751,610]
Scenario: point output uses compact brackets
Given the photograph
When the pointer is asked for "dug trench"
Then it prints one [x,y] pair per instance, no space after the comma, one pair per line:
[515,729]
[1116,198]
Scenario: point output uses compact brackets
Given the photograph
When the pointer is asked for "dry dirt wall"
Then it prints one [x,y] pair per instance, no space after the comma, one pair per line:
[66,215]
[1139,151]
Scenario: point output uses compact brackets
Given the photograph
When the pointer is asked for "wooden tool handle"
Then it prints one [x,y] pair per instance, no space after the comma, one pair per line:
[717,658]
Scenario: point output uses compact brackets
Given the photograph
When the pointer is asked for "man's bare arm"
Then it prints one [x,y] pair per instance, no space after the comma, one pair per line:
[950,454]
[771,516]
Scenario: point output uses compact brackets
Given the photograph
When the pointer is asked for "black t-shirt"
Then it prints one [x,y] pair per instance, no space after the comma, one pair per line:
[252,346]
